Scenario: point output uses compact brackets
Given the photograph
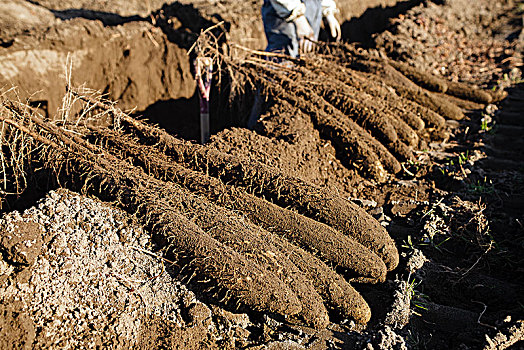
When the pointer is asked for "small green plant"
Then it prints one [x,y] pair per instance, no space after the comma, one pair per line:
[512,78]
[480,187]
[418,299]
[483,124]
[414,163]
[428,242]
[455,165]
[463,157]
[408,243]
[411,167]
[437,246]
[486,123]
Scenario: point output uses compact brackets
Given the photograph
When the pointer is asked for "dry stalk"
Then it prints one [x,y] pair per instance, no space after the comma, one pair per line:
[18,148]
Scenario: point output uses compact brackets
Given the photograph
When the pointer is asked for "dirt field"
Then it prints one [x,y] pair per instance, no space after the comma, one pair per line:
[376,204]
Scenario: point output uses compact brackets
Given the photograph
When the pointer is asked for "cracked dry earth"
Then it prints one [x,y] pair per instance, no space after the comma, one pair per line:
[377,203]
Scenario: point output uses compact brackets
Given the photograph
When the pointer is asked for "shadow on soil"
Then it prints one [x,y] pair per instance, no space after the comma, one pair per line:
[474,273]
[181,23]
[374,20]
[180,117]
[38,185]
[107,18]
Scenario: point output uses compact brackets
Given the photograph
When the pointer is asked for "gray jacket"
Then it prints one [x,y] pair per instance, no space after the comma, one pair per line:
[291,9]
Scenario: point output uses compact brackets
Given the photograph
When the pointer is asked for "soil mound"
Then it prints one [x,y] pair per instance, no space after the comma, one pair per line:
[84,276]
[133,55]
[464,40]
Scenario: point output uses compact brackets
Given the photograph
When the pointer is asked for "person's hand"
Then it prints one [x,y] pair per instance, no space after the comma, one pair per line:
[334,26]
[305,34]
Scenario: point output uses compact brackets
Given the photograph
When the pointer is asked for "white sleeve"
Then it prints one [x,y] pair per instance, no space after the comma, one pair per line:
[288,8]
[329,7]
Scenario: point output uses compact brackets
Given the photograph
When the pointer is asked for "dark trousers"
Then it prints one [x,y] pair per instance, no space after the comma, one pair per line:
[282,37]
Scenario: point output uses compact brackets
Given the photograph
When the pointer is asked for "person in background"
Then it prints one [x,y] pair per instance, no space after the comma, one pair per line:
[292,25]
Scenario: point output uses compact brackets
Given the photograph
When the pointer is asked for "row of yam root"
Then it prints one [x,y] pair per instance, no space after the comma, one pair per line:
[376,111]
[241,232]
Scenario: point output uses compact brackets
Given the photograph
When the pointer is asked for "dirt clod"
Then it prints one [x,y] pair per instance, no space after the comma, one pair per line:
[20,242]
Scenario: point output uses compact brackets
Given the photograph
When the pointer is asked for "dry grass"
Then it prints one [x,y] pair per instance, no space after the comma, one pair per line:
[18,148]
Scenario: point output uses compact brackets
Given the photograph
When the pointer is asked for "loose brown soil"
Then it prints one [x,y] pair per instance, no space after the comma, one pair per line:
[398,162]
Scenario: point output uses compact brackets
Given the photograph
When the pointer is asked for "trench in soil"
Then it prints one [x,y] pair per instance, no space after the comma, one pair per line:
[180,115]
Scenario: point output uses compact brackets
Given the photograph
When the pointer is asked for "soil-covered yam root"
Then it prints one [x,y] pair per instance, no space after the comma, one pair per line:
[318,204]
[415,115]
[247,283]
[332,288]
[365,114]
[368,113]
[320,100]
[462,103]
[438,84]
[380,127]
[468,92]
[250,240]
[355,222]
[386,158]
[408,89]
[497,95]
[405,133]
[432,101]
[411,119]
[385,98]
[335,291]
[371,114]
[402,151]
[430,117]
[426,80]
[350,138]
[332,246]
